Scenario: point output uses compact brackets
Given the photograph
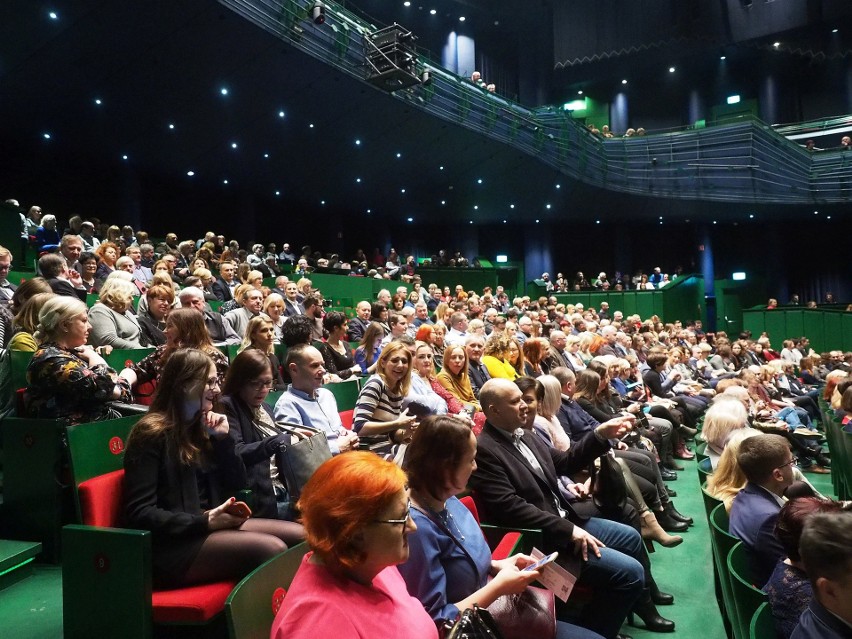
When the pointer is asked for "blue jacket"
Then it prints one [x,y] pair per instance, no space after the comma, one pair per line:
[753,516]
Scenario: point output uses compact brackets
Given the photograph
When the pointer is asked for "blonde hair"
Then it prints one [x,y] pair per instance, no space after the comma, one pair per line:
[55,311]
[551,399]
[728,478]
[254,323]
[721,420]
[117,293]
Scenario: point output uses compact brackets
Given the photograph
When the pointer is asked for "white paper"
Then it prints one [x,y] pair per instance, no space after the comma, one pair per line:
[559,579]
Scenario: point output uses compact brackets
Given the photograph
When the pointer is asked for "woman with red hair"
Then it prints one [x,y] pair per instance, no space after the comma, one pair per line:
[356,510]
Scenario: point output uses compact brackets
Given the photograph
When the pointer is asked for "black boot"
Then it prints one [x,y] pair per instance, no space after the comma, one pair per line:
[670,492]
[671,465]
[669,524]
[667,475]
[647,612]
[672,512]
[686,432]
[659,597]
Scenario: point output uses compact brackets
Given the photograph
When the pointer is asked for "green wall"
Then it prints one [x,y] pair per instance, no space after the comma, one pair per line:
[827,329]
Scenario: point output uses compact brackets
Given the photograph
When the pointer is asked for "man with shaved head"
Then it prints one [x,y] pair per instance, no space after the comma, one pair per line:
[516,481]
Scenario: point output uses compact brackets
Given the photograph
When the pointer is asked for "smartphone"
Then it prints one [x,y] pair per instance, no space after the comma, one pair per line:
[239,509]
[542,562]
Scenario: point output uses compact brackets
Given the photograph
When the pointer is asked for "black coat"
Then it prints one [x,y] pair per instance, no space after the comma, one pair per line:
[516,495]
[169,498]
[221,290]
[255,451]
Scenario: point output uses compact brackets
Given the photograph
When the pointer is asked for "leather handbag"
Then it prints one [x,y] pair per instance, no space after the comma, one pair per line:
[531,613]
[609,490]
[473,623]
[298,460]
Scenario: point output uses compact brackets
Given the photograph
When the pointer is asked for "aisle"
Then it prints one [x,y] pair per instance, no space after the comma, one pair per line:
[686,571]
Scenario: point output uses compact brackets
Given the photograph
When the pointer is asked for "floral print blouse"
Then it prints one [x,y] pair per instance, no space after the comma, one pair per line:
[61,385]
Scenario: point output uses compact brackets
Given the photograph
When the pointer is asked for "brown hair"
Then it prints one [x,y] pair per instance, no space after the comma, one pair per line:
[435,451]
[247,366]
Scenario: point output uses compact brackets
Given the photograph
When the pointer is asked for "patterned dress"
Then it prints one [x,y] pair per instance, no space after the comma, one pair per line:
[61,385]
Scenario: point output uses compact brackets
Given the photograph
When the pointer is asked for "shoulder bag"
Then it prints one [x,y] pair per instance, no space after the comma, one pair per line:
[297,461]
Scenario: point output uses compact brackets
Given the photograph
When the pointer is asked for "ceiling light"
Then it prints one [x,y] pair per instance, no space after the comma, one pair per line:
[537,221]
[504,221]
[443,202]
[714,221]
[406,3]
[462,19]
[558,186]
[511,206]
[776,44]
[53,15]
[322,202]
[479,181]
[440,168]
[123,157]
[579,93]
[266,155]
[724,57]
[233,145]
[834,30]
[190,173]
[411,219]
[399,155]
[432,12]
[751,216]
[281,114]
[671,69]
[277,192]
[98,101]
[816,212]
[311,126]
[46,136]
[369,210]
[476,207]
[547,207]
[224,181]
[357,142]
[624,82]
[223,91]
[402,190]
[358,180]
[172,127]
[597,221]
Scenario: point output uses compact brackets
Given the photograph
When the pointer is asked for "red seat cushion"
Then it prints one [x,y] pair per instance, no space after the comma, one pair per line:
[100,499]
[506,546]
[195,604]
[468,502]
[346,418]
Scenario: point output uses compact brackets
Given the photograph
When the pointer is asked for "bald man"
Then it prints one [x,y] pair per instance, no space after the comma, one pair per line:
[516,480]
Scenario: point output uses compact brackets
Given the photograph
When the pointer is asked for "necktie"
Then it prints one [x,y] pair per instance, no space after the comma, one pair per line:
[528,455]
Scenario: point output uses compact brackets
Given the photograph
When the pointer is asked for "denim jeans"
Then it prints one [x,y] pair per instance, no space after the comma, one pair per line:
[616,578]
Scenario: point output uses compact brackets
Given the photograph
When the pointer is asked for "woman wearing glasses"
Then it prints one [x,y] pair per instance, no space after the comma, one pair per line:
[357,519]
[449,561]
[180,472]
[256,437]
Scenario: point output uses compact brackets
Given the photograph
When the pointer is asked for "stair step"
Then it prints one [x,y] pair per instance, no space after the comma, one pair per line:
[16,560]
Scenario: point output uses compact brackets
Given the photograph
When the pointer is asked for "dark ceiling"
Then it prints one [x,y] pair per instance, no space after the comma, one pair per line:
[106,80]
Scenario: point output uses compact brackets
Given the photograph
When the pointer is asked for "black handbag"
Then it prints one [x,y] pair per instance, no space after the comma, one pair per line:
[473,623]
[609,490]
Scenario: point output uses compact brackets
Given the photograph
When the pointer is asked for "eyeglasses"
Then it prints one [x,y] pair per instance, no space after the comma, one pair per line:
[261,384]
[403,521]
[213,382]
[792,462]
[5,267]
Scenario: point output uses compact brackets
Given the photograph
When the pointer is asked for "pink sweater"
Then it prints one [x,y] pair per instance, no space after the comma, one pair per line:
[319,604]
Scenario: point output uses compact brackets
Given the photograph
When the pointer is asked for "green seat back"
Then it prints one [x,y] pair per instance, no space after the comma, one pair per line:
[251,607]
[723,541]
[119,357]
[20,362]
[762,623]
[700,452]
[97,448]
[710,502]
[346,394]
[747,597]
[232,351]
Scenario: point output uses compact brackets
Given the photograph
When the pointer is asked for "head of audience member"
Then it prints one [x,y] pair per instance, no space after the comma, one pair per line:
[566,378]
[297,330]
[160,299]
[398,325]
[346,508]
[185,329]
[26,318]
[792,518]
[363,310]
[250,377]
[192,297]
[117,294]
[726,415]
[63,320]
[70,246]
[440,457]
[424,363]
[394,367]
[313,307]
[53,266]
[826,551]
[124,263]
[227,271]
[384,297]
[768,462]
[260,334]
[474,346]
[305,365]
[27,289]
[503,404]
